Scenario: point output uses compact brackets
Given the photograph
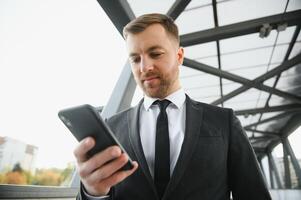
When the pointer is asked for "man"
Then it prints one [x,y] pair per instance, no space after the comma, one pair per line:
[184,149]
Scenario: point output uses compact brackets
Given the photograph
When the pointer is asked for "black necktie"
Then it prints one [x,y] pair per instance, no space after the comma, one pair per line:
[162,163]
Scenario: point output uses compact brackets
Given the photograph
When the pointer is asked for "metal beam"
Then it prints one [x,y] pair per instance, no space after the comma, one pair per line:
[295,163]
[214,7]
[293,123]
[262,170]
[177,8]
[287,171]
[273,168]
[264,139]
[122,94]
[119,11]
[288,52]
[248,83]
[275,71]
[243,28]
[272,118]
[263,132]
[287,107]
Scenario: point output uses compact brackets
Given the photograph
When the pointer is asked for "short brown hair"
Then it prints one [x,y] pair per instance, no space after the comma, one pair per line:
[139,24]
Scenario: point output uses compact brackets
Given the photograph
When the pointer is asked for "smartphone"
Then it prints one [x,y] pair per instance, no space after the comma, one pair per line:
[84,121]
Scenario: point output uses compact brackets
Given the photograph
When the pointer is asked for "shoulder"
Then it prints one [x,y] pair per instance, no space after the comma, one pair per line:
[208,108]
[120,116]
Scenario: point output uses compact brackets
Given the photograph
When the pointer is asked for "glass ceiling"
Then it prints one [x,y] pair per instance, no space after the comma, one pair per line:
[247,55]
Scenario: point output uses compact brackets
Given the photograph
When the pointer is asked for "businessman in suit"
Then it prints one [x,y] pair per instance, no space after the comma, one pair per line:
[183,149]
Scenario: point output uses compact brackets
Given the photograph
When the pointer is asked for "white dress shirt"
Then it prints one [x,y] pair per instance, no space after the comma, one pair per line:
[176,113]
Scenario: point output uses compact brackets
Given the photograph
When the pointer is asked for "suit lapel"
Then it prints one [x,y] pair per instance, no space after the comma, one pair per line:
[133,118]
[192,129]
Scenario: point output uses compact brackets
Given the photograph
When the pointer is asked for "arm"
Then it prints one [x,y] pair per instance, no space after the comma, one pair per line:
[245,177]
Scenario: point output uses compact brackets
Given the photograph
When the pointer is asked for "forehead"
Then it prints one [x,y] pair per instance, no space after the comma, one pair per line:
[154,35]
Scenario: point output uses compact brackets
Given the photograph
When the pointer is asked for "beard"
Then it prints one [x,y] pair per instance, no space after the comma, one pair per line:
[159,89]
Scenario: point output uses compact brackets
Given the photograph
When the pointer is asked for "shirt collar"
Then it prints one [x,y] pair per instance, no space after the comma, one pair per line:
[177,98]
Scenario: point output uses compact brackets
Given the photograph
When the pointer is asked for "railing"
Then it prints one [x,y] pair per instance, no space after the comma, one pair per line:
[286,194]
[37,192]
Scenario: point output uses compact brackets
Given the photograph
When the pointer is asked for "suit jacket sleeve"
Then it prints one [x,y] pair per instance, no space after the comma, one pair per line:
[246,179]
[82,195]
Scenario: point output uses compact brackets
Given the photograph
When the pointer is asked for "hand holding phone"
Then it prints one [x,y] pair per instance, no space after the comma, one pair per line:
[84,121]
[101,164]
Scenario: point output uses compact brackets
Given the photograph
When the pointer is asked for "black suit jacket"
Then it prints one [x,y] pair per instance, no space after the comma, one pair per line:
[216,158]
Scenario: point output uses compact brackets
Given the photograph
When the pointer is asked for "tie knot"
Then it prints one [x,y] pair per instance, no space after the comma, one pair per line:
[162,104]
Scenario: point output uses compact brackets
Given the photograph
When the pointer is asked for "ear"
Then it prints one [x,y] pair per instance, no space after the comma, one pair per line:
[180,55]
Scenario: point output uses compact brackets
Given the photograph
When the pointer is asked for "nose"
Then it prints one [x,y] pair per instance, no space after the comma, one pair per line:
[146,64]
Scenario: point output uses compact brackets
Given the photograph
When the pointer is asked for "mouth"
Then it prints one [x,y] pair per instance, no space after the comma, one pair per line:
[150,78]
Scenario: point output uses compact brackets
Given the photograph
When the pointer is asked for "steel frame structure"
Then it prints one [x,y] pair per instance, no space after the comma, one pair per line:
[120,13]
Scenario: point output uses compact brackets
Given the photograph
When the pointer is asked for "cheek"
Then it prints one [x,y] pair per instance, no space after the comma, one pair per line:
[136,72]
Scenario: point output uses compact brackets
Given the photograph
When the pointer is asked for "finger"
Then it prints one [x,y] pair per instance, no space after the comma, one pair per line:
[108,169]
[119,176]
[80,152]
[98,160]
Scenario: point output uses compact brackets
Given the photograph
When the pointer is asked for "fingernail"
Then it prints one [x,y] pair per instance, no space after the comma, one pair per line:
[115,152]
[88,141]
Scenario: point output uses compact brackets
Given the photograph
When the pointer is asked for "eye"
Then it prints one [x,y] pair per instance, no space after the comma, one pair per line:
[135,59]
[155,54]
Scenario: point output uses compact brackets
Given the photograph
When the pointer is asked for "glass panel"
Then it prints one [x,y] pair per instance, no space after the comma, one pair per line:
[248,119]
[245,100]
[286,35]
[229,86]
[254,118]
[294,139]
[204,87]
[279,53]
[186,72]
[141,7]
[202,19]
[197,4]
[269,115]
[211,61]
[296,49]
[276,101]
[244,59]
[250,73]
[294,5]
[200,82]
[278,151]
[138,95]
[261,101]
[53,56]
[201,51]
[270,82]
[208,99]
[247,42]
[290,81]
[265,164]
[277,154]
[244,121]
[242,10]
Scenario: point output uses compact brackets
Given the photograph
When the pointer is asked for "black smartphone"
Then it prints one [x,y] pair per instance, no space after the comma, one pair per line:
[84,121]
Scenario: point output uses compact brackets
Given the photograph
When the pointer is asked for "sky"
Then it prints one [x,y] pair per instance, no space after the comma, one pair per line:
[54,54]
[57,54]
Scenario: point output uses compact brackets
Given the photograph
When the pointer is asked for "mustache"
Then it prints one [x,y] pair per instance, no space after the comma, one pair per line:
[149,75]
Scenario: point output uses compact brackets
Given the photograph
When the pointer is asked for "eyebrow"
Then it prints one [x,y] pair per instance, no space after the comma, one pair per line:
[152,48]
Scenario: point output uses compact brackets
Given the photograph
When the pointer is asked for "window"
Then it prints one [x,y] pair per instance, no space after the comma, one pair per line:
[54,54]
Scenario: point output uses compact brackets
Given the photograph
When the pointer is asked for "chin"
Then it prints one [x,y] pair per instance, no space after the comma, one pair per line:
[155,94]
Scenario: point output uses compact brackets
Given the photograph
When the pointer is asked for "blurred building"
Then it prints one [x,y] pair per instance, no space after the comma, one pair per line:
[13,151]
